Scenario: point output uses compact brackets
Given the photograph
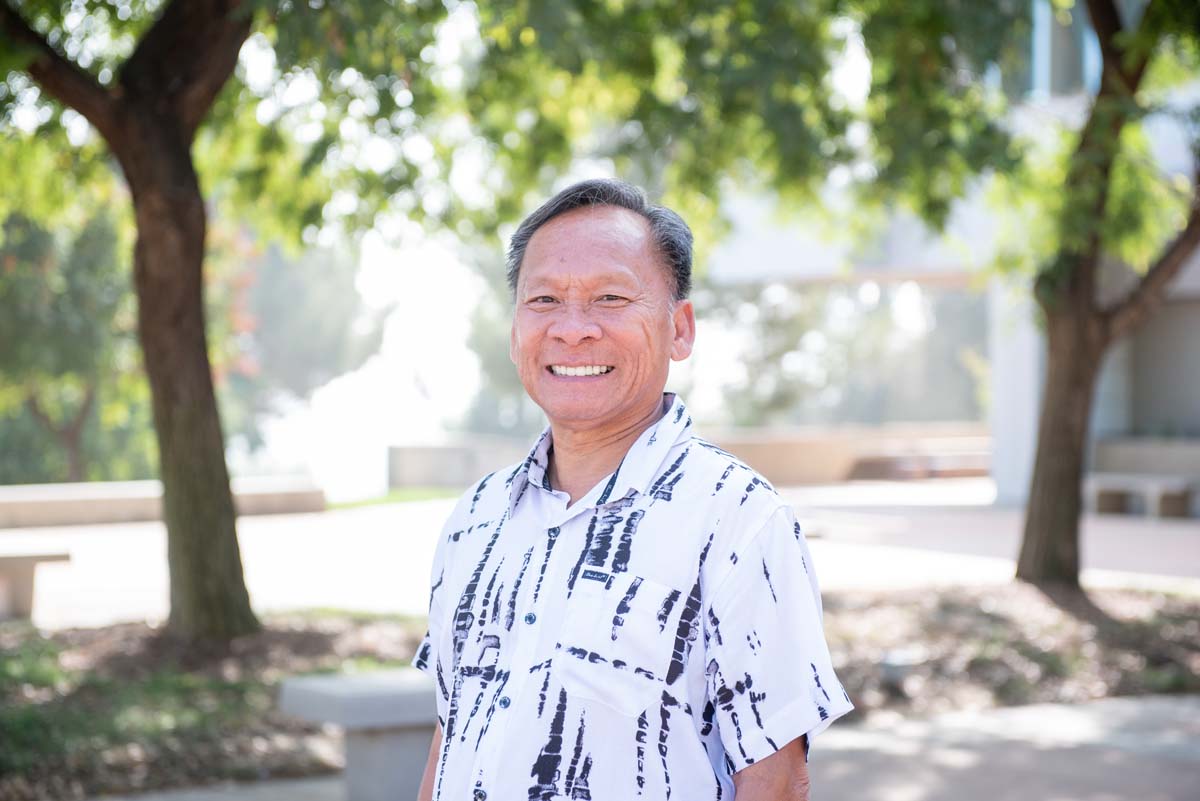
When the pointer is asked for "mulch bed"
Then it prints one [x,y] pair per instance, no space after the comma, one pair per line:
[913,652]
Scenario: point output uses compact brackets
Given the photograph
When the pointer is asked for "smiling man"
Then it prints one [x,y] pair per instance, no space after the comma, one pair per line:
[629,612]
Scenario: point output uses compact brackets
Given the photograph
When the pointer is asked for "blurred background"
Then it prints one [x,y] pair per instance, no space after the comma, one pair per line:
[254,342]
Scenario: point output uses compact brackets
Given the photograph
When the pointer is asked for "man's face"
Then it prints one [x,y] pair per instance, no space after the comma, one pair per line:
[594,293]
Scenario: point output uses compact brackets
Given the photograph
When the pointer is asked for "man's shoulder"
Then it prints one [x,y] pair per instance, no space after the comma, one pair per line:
[487,491]
[728,482]
[706,458]
[734,501]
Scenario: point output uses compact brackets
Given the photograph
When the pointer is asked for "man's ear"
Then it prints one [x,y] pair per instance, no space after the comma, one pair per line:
[684,320]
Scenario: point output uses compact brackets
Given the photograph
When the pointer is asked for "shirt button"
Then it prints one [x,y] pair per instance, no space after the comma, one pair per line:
[504,702]
[480,794]
[530,617]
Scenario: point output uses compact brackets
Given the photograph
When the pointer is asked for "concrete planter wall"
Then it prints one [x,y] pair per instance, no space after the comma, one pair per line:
[814,455]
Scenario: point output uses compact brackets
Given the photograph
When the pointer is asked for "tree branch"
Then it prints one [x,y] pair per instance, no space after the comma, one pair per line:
[1106,22]
[1148,295]
[60,77]
[39,414]
[1099,141]
[75,429]
[186,57]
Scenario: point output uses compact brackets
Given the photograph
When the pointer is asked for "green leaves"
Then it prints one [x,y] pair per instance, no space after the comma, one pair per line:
[59,299]
[934,121]
[686,95]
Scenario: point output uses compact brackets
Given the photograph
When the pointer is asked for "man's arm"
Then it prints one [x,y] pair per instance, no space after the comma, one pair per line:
[783,776]
[426,792]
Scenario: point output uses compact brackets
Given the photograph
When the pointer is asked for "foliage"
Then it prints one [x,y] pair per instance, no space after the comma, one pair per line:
[94,712]
[45,174]
[691,93]
[322,123]
[72,405]
[336,113]
[280,327]
[837,354]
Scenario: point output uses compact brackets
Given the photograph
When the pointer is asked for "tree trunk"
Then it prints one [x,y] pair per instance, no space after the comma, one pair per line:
[72,441]
[208,591]
[1050,546]
[72,435]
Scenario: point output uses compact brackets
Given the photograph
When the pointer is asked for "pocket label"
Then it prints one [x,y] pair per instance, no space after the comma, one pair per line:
[596,575]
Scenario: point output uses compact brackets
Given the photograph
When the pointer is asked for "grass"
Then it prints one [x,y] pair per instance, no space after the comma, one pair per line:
[94,711]
[403,495]
[69,711]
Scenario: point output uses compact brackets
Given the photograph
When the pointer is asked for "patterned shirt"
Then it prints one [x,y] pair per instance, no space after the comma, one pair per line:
[662,633]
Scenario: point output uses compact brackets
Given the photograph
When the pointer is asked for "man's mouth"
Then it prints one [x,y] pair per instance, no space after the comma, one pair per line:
[583,369]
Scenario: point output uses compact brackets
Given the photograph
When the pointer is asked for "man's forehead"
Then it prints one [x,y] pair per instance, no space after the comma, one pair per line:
[595,223]
[611,241]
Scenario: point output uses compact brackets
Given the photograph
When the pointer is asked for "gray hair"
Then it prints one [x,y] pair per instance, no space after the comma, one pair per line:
[671,234]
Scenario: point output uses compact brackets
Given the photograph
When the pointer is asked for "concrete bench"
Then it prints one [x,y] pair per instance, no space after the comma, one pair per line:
[87,502]
[1164,495]
[16,581]
[388,720]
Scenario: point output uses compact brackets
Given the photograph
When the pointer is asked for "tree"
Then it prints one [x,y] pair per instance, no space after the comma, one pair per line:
[1079,327]
[151,79]
[73,400]
[67,319]
[686,96]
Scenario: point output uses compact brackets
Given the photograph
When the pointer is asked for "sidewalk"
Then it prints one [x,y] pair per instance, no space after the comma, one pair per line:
[1145,748]
[864,535]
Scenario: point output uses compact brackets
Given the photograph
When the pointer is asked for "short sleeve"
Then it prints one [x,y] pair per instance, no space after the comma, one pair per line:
[428,657]
[769,673]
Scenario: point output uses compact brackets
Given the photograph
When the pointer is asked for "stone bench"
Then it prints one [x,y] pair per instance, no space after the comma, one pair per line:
[1164,495]
[388,720]
[16,581]
[88,502]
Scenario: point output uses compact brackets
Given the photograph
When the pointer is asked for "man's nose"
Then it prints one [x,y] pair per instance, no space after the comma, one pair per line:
[572,324]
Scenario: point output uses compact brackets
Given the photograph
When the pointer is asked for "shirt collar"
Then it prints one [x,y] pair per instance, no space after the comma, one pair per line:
[637,470]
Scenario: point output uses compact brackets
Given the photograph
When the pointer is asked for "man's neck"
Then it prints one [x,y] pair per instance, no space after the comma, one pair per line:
[580,458]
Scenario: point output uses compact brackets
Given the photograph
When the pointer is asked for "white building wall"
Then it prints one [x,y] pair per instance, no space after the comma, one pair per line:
[1166,371]
[1017,352]
[1112,406]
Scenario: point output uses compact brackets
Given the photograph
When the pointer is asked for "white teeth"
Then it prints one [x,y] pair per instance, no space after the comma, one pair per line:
[591,369]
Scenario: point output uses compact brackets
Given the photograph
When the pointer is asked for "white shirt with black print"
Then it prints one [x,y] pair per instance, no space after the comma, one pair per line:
[659,635]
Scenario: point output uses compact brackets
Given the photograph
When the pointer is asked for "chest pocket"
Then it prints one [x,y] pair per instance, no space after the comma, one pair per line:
[619,639]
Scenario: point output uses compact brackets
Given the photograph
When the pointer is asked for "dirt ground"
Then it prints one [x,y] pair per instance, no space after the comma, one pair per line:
[177,715]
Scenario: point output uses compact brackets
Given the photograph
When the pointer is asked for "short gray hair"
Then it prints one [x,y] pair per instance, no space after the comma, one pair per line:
[671,234]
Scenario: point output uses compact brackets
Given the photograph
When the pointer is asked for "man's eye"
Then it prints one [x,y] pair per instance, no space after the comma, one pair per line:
[611,297]
[542,299]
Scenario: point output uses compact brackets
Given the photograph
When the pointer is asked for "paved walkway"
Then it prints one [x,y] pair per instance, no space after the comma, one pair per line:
[377,558]
[1145,748]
